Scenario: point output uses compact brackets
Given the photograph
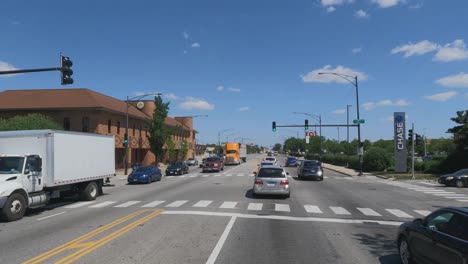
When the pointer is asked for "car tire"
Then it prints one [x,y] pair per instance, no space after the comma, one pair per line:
[404,251]
[89,192]
[460,184]
[287,196]
[15,200]
[321,178]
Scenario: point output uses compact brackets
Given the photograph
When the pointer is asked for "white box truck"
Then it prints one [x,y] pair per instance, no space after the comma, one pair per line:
[36,165]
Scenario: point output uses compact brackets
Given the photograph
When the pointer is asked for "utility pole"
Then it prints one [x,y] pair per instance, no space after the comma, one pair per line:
[347,123]
[338,134]
[412,151]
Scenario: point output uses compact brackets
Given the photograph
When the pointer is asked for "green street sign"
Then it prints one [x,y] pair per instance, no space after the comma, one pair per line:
[360,121]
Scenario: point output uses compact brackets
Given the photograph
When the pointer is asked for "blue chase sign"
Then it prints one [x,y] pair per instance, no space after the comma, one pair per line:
[401,153]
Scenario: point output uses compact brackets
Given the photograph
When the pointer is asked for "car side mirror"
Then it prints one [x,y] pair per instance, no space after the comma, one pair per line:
[418,221]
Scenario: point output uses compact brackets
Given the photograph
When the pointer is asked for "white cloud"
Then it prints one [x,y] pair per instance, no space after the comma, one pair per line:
[235,90]
[195,45]
[335,2]
[194,103]
[356,50]
[387,102]
[457,80]
[387,3]
[419,48]
[339,111]
[5,66]
[171,96]
[416,6]
[441,97]
[361,14]
[244,108]
[314,75]
[185,35]
[452,52]
[220,88]
[331,9]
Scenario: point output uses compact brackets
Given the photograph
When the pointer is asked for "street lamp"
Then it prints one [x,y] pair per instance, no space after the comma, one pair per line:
[297,132]
[219,135]
[319,118]
[354,81]
[126,125]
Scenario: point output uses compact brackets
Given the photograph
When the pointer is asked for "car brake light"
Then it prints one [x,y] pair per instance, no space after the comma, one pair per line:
[284,182]
[258,182]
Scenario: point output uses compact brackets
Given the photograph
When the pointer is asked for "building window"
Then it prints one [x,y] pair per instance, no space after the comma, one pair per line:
[85,124]
[118,127]
[66,123]
[133,129]
[109,126]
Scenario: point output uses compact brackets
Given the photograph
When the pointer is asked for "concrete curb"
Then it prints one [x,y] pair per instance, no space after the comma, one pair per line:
[382,177]
[344,173]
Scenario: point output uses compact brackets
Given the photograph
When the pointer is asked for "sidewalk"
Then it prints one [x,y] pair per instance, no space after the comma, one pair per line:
[340,169]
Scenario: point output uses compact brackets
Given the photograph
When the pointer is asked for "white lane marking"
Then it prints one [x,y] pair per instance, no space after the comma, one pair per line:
[462,200]
[348,178]
[228,205]
[422,212]
[399,213]
[281,217]
[228,175]
[39,219]
[368,211]
[325,177]
[432,184]
[153,204]
[99,205]
[202,203]
[79,204]
[255,206]
[339,210]
[240,175]
[177,203]
[192,176]
[434,192]
[449,194]
[217,175]
[181,176]
[420,188]
[206,175]
[312,209]
[127,204]
[169,177]
[214,254]
[455,197]
[282,208]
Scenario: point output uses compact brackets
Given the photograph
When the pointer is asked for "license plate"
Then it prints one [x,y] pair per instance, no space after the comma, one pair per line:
[135,180]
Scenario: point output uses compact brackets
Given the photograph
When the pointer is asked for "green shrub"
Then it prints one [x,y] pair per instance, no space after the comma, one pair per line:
[432,166]
[376,159]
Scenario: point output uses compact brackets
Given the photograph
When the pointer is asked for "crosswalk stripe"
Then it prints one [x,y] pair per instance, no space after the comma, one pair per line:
[428,183]
[79,204]
[153,204]
[103,204]
[434,192]
[422,212]
[282,208]
[240,175]
[312,209]
[399,213]
[368,211]
[194,175]
[217,175]
[325,177]
[182,176]
[255,206]
[444,194]
[339,210]
[228,205]
[127,204]
[206,175]
[462,200]
[228,175]
[455,197]
[177,203]
[169,177]
[202,203]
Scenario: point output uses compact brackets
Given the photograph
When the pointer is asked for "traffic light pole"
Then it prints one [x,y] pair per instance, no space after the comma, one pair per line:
[412,151]
[31,70]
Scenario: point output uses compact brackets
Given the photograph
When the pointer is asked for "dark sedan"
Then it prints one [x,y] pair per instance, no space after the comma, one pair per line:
[441,237]
[177,168]
[291,161]
[145,174]
[459,179]
[310,169]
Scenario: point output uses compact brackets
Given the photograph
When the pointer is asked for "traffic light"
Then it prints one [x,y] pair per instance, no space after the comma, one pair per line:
[418,139]
[306,125]
[410,136]
[273,126]
[125,140]
[65,70]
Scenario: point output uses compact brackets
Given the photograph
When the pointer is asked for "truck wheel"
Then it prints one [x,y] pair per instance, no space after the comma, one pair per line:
[14,208]
[89,192]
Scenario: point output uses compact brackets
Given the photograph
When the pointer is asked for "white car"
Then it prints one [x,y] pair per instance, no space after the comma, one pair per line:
[271,159]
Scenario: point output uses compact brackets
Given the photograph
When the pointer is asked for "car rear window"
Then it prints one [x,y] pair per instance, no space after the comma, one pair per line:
[212,159]
[143,169]
[272,159]
[311,163]
[270,173]
[266,164]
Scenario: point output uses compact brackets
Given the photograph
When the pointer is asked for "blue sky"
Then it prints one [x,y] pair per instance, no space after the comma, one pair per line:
[248,63]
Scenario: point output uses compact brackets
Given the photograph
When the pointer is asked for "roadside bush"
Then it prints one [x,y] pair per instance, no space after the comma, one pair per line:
[376,159]
[433,166]
[418,166]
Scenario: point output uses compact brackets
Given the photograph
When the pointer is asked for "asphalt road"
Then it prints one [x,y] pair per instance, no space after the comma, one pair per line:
[213,218]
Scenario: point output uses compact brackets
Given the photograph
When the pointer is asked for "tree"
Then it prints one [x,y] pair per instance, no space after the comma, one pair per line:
[277,147]
[159,133]
[460,132]
[294,144]
[171,149]
[184,149]
[376,159]
[28,122]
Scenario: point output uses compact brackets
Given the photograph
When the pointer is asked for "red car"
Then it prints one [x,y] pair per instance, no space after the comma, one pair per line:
[213,164]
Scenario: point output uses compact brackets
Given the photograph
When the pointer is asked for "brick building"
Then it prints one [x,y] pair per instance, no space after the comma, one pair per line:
[85,110]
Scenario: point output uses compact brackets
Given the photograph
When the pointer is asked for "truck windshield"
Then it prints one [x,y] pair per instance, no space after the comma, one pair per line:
[11,165]
[231,151]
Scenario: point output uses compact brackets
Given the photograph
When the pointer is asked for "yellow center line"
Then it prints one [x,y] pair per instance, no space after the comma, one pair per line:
[101,242]
[80,239]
